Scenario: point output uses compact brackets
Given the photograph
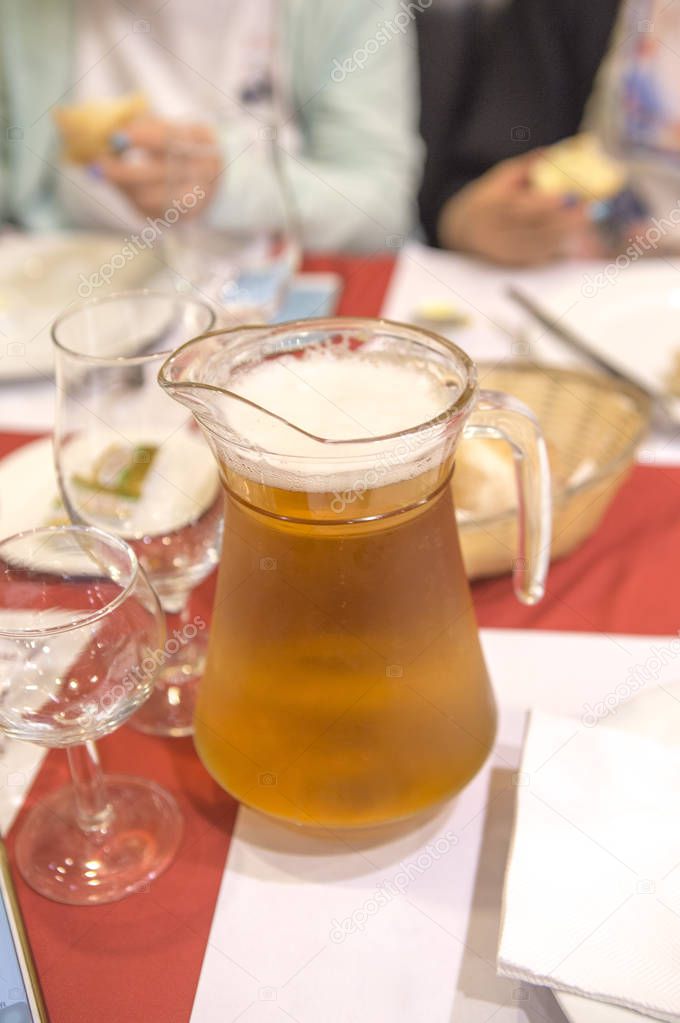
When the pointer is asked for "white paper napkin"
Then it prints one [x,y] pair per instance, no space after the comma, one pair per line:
[592,890]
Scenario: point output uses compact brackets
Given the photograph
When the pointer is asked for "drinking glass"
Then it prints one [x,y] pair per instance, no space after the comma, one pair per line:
[239,251]
[80,633]
[131,461]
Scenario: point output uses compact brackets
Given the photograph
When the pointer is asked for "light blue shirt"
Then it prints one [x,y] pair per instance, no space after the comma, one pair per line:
[351,68]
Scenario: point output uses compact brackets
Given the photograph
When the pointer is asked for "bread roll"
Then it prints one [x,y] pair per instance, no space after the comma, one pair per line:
[484,479]
[578,166]
[87,127]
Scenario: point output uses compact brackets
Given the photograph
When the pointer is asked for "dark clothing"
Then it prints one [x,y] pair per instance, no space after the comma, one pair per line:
[498,81]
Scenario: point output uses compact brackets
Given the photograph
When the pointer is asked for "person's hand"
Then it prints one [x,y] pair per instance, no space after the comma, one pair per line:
[501,217]
[160,162]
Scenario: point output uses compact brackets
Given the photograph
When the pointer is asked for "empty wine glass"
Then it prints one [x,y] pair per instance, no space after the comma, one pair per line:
[128,463]
[80,634]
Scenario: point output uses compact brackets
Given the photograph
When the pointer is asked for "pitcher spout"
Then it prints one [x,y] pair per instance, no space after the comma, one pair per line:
[290,380]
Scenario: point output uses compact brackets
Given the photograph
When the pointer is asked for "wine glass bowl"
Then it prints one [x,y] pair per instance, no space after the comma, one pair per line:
[95,629]
[80,631]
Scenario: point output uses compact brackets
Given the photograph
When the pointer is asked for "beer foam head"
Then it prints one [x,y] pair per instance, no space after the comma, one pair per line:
[335,399]
[348,400]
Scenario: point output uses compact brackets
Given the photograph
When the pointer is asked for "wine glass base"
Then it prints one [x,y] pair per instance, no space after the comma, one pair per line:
[169,711]
[64,863]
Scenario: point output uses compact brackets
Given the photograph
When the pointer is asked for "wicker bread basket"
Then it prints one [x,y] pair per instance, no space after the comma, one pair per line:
[593,426]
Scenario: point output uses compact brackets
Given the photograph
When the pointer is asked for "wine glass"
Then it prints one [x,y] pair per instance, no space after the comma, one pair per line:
[81,632]
[240,248]
[129,463]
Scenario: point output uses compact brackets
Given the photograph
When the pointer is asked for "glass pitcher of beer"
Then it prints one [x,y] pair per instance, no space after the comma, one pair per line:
[345,685]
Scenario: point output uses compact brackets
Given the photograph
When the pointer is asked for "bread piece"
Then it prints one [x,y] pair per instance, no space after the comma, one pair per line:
[578,166]
[87,127]
[484,479]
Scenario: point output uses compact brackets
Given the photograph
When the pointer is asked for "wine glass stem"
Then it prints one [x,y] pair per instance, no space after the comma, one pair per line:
[93,808]
[180,617]
[176,621]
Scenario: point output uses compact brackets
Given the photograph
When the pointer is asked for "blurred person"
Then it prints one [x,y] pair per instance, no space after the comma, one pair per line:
[335,82]
[532,73]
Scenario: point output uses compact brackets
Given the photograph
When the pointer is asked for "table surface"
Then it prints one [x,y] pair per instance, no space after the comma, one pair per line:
[140,959]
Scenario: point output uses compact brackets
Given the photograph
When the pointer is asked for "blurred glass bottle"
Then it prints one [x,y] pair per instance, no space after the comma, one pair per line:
[238,251]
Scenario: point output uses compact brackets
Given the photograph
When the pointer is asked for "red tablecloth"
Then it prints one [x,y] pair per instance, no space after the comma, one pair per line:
[625,578]
[140,959]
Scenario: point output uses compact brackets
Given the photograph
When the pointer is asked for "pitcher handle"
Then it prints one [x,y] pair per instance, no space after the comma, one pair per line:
[503,417]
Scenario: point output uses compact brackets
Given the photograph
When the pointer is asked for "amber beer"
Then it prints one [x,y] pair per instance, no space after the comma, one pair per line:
[345,683]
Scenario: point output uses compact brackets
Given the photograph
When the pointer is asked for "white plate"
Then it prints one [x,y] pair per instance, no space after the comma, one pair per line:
[41,276]
[633,322]
[186,479]
[28,488]
[655,713]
